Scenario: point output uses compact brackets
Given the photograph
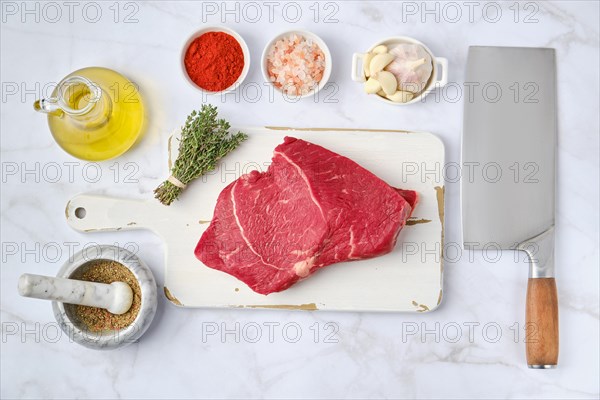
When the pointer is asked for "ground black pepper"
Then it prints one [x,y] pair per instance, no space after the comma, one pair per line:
[98,319]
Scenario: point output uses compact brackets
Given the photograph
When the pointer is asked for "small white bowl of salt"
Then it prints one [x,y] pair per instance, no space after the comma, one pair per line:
[297,63]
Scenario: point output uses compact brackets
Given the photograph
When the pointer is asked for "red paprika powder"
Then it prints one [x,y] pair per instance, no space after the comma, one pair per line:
[214,61]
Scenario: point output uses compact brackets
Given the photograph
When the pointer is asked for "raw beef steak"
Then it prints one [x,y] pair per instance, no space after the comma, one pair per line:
[310,209]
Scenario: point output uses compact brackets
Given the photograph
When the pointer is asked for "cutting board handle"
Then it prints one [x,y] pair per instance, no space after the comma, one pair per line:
[91,213]
[541,327]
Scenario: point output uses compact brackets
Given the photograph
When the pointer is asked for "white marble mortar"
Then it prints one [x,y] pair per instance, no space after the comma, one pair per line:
[108,340]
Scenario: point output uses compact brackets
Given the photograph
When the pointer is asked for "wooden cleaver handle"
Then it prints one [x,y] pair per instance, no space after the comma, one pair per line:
[541,329]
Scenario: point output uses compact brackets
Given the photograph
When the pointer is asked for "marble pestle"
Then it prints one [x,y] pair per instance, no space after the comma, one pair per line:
[115,297]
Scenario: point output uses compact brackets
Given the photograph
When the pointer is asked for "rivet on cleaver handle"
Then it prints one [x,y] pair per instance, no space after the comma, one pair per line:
[509,147]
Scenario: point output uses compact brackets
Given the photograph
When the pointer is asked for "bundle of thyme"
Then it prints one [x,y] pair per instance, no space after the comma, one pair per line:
[204,141]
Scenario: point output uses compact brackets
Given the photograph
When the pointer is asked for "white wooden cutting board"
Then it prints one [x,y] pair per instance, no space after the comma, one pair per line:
[408,279]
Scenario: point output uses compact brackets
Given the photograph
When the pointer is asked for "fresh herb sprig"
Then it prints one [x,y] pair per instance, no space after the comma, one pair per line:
[205,139]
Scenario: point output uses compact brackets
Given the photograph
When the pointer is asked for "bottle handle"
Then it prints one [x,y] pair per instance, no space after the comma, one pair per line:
[48,106]
[65,89]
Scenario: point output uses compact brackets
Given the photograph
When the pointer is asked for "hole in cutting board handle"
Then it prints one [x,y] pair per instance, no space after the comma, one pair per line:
[80,212]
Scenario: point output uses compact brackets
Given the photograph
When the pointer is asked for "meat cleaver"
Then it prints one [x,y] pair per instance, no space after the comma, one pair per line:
[508,180]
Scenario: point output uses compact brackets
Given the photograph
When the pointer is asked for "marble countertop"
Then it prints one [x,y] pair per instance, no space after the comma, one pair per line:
[470,347]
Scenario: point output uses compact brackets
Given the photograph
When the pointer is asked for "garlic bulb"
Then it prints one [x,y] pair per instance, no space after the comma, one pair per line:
[412,66]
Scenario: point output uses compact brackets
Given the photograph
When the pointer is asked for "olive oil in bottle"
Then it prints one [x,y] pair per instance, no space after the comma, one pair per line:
[94,113]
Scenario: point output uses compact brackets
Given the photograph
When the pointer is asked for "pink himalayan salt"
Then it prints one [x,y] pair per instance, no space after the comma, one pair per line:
[295,65]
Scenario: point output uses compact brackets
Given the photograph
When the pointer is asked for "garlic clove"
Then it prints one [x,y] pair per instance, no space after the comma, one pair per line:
[366,62]
[379,62]
[388,82]
[372,85]
[401,96]
[381,93]
[380,49]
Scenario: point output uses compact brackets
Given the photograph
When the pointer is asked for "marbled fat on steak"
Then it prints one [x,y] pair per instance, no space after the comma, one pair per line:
[310,209]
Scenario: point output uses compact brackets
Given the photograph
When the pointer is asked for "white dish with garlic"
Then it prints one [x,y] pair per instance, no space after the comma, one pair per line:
[399,70]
